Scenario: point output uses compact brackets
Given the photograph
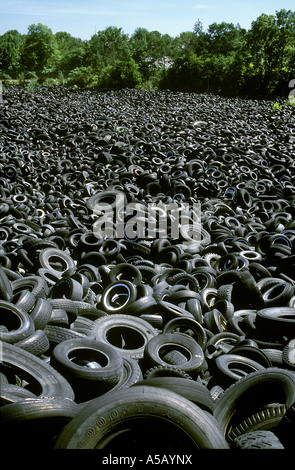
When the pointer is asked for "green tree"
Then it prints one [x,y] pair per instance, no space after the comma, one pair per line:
[83,77]
[139,46]
[208,60]
[71,51]
[270,51]
[10,51]
[186,74]
[122,74]
[151,51]
[224,38]
[286,44]
[107,47]
[39,48]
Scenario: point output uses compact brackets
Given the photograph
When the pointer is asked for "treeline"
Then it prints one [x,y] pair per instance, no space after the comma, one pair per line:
[225,59]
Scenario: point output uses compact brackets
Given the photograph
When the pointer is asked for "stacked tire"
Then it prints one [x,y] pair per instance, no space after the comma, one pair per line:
[154,341]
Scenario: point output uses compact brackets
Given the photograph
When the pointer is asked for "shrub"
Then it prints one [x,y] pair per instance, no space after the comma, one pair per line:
[31,76]
[123,74]
[5,77]
[21,78]
[61,78]
[83,77]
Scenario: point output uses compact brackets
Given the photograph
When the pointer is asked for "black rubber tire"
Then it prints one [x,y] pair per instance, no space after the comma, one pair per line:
[113,292]
[145,304]
[47,256]
[190,349]
[90,366]
[275,356]
[104,197]
[37,343]
[36,284]
[188,326]
[228,368]
[131,374]
[82,322]
[10,393]
[25,300]
[127,334]
[71,307]
[275,323]
[267,418]
[43,380]
[157,419]
[190,389]
[253,353]
[288,355]
[174,357]
[41,313]
[57,334]
[34,422]
[194,306]
[126,272]
[215,321]
[168,311]
[275,292]
[18,323]
[5,286]
[166,371]
[59,317]
[68,288]
[220,343]
[258,440]
[241,399]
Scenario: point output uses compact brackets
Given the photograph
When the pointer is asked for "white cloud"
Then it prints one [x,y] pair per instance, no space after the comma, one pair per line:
[37,8]
[202,7]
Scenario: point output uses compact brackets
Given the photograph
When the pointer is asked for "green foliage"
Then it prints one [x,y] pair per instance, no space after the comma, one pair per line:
[38,49]
[31,76]
[225,59]
[30,86]
[277,106]
[61,78]
[81,77]
[151,51]
[10,50]
[5,77]
[107,47]
[123,74]
[270,50]
[70,51]
[21,78]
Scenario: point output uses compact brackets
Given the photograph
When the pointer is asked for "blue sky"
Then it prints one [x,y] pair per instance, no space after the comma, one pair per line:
[82,18]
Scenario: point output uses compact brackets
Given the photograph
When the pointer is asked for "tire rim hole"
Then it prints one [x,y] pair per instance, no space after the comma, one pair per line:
[9,320]
[274,291]
[89,358]
[57,264]
[240,369]
[125,338]
[148,433]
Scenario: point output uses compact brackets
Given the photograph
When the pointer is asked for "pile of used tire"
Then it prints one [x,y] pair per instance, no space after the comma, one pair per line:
[149,343]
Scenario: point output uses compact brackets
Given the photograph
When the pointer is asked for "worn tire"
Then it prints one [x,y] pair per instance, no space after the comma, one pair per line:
[241,399]
[158,346]
[156,418]
[43,380]
[127,334]
[90,366]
